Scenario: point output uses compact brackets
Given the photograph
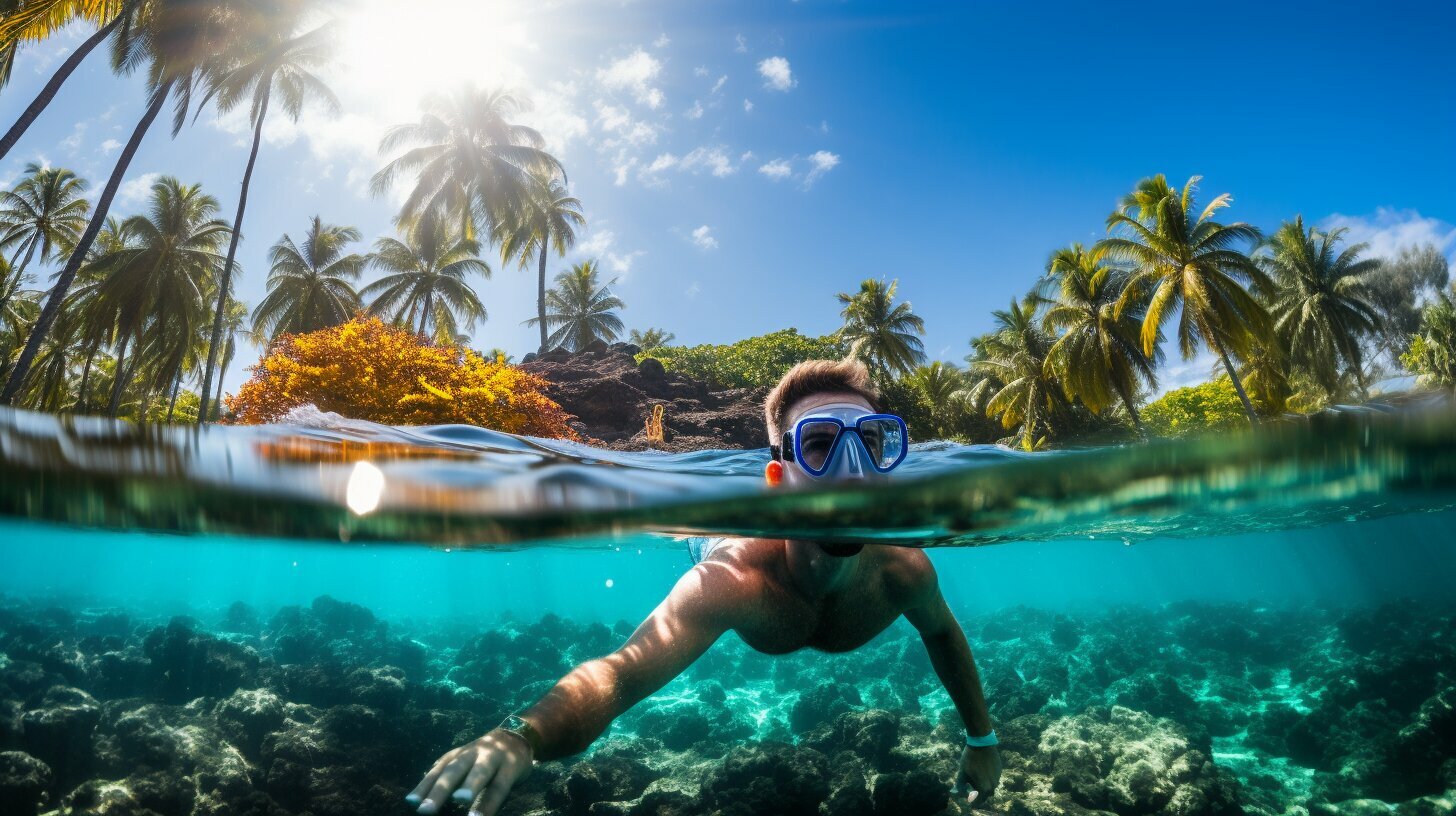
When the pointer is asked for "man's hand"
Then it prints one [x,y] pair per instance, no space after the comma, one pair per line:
[480,772]
[980,773]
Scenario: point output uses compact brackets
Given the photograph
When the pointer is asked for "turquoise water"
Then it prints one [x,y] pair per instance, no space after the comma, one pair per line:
[202,623]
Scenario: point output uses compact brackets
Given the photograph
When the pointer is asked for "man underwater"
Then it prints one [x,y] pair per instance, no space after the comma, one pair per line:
[778,595]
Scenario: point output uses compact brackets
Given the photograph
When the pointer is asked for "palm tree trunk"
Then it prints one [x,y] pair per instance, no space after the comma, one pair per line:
[227,358]
[119,377]
[425,312]
[1137,421]
[541,293]
[52,306]
[57,79]
[227,269]
[176,386]
[85,379]
[1228,366]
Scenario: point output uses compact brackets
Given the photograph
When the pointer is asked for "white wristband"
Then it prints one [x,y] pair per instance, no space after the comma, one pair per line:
[982,742]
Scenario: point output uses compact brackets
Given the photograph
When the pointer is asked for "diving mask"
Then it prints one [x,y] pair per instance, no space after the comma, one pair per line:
[843,440]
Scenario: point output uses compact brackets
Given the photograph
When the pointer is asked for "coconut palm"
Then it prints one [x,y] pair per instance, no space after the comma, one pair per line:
[548,219]
[173,38]
[880,332]
[1190,266]
[581,310]
[155,288]
[429,269]
[45,213]
[1098,358]
[309,286]
[37,20]
[269,59]
[1319,301]
[650,339]
[235,322]
[1010,377]
[468,161]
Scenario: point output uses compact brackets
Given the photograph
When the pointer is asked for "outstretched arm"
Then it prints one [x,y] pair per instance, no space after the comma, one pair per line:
[582,704]
[950,654]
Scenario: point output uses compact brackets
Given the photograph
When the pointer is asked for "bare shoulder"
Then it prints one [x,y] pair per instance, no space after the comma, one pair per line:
[908,574]
[731,574]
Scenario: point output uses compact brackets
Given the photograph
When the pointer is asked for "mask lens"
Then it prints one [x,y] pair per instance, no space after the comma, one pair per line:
[816,440]
[883,439]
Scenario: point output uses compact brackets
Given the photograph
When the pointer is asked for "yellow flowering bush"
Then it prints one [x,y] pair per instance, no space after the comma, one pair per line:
[367,370]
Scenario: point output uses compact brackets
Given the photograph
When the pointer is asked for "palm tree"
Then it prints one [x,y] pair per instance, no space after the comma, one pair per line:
[38,19]
[156,287]
[45,212]
[1189,266]
[429,269]
[548,218]
[880,332]
[271,59]
[174,38]
[234,322]
[650,339]
[469,162]
[1432,352]
[309,286]
[1097,358]
[580,310]
[1011,379]
[1319,300]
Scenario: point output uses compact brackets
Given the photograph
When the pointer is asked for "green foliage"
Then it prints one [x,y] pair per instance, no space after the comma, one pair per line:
[1212,406]
[932,400]
[1432,352]
[881,333]
[757,361]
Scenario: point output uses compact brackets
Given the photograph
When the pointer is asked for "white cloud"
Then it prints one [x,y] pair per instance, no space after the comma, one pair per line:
[714,160]
[718,86]
[740,44]
[701,70]
[135,190]
[693,290]
[73,142]
[661,41]
[702,238]
[776,74]
[821,162]
[636,73]
[778,169]
[747,106]
[601,246]
[109,146]
[1390,230]
[696,111]
[618,121]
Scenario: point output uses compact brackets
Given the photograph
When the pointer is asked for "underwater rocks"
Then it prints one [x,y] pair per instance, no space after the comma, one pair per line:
[612,396]
[323,708]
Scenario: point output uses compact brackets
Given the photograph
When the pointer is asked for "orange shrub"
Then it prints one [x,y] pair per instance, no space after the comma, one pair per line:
[367,370]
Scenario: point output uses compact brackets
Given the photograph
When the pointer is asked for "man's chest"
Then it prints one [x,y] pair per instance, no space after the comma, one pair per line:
[838,624]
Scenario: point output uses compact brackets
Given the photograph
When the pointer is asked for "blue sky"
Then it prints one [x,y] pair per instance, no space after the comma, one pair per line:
[741,163]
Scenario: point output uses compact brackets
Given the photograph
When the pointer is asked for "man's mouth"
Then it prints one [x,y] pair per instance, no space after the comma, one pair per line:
[841,550]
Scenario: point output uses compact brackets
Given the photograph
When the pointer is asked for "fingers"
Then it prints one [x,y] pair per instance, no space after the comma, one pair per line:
[415,796]
[478,777]
[490,799]
[445,783]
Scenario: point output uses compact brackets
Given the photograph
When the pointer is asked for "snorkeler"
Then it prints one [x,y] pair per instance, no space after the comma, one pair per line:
[778,595]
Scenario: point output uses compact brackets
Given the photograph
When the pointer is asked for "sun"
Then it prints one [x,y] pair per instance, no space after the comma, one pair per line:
[392,54]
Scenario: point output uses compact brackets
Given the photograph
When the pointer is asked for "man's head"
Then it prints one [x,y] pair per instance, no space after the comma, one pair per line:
[838,388]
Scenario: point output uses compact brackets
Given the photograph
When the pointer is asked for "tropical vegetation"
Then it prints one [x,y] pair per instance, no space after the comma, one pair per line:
[370,370]
[135,316]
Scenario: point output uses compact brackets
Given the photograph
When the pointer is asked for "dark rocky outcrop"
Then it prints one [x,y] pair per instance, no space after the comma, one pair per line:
[612,396]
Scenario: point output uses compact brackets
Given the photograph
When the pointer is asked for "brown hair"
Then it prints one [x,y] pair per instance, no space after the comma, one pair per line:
[847,376]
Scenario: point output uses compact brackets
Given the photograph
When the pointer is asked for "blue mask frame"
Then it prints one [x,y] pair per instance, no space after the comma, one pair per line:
[792,452]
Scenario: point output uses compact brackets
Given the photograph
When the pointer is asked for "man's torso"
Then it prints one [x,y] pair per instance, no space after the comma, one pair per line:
[783,619]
